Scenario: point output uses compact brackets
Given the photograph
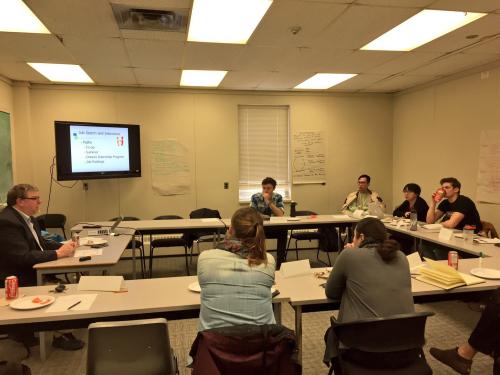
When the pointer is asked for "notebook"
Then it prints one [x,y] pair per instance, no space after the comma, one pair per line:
[104,231]
[445,277]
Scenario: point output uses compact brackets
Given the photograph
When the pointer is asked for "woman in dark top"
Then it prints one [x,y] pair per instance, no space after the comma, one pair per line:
[412,202]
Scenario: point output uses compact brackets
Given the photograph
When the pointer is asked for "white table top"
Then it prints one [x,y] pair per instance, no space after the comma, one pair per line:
[174,224]
[143,296]
[110,255]
[454,243]
[306,290]
[287,221]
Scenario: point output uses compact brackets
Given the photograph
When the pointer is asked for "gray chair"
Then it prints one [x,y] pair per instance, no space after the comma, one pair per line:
[167,242]
[135,347]
[382,346]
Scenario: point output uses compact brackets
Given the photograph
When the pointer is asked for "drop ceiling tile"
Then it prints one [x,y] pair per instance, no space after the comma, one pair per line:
[282,81]
[157,77]
[154,35]
[455,63]
[244,80]
[358,82]
[397,3]
[399,83]
[404,62]
[76,17]
[311,17]
[312,59]
[110,75]
[154,54]
[487,46]
[33,48]
[20,71]
[211,56]
[361,24]
[488,25]
[98,51]
[467,5]
[362,61]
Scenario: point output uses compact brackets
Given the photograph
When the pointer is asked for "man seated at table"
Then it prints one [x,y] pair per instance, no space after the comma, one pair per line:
[22,246]
[270,203]
[454,212]
[361,199]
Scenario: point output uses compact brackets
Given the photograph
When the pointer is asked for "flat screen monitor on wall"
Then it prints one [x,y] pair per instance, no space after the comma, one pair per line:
[87,150]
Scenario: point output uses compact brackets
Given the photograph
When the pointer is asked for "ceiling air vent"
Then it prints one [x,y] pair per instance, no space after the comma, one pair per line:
[150,19]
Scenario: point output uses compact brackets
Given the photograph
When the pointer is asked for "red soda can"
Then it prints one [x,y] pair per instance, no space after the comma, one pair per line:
[11,287]
[453,259]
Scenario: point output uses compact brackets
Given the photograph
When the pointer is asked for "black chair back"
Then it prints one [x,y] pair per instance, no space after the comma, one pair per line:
[126,218]
[204,213]
[305,213]
[168,217]
[52,221]
[392,345]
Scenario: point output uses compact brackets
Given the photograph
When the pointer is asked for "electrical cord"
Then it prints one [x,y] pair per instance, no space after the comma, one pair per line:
[52,180]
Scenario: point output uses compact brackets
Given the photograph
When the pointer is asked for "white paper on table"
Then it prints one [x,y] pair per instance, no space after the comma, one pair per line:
[445,234]
[341,217]
[297,268]
[210,220]
[101,283]
[415,262]
[62,303]
[87,252]
[278,219]
[486,240]
[432,227]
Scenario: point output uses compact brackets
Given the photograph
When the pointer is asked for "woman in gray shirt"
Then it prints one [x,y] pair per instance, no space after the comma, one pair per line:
[371,277]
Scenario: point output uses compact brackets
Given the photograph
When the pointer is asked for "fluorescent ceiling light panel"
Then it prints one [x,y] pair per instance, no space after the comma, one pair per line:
[225,21]
[16,17]
[62,72]
[322,81]
[202,78]
[420,29]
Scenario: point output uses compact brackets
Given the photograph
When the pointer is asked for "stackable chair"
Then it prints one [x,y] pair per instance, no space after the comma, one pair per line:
[383,346]
[171,240]
[57,221]
[130,348]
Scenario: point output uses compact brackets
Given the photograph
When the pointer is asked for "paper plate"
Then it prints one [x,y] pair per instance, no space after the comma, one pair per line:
[486,273]
[195,287]
[32,302]
[87,241]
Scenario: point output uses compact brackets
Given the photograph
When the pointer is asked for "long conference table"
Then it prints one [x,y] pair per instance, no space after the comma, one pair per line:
[170,297]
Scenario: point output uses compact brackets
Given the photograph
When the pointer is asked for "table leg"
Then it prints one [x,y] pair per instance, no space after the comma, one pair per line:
[277,312]
[298,330]
[43,348]
[134,272]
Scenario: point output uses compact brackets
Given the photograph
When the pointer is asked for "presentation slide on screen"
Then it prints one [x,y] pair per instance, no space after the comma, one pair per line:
[99,149]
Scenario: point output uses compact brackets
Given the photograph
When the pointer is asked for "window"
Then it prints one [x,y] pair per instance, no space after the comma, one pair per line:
[264,144]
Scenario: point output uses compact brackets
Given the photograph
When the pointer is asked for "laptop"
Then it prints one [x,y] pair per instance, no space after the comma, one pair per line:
[105,231]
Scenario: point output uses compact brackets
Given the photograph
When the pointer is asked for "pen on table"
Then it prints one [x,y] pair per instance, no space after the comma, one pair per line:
[73,305]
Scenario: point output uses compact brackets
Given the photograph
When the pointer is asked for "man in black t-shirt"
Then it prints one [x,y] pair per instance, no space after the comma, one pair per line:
[455,210]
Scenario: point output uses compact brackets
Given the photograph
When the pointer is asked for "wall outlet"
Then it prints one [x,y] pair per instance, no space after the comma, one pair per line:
[226,185]
[85,186]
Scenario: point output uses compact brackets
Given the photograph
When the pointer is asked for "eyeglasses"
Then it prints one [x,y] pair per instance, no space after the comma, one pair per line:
[32,198]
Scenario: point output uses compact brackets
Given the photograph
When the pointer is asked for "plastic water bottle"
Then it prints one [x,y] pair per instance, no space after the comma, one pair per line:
[413,220]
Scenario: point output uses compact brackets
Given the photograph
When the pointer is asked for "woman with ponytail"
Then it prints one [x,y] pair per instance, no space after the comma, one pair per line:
[371,278]
[236,277]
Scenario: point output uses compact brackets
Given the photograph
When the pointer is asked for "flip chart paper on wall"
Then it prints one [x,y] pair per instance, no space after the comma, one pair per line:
[170,170]
[308,157]
[488,178]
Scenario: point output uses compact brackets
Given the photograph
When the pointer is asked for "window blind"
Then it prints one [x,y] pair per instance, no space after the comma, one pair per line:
[264,149]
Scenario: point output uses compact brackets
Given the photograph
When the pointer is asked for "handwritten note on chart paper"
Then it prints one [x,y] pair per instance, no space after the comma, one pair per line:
[309,157]
[488,177]
[170,170]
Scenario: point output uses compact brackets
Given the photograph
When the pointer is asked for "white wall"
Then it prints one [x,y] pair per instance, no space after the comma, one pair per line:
[437,133]
[358,129]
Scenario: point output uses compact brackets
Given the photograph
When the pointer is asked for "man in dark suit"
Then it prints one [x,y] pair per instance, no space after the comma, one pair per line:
[21,243]
[22,246]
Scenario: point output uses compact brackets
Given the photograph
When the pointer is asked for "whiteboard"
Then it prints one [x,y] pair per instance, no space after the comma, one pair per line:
[308,157]
[488,178]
